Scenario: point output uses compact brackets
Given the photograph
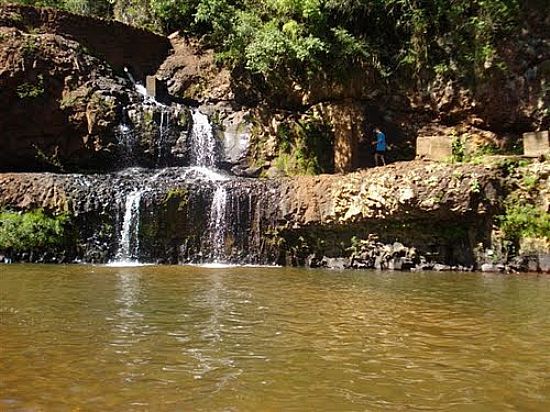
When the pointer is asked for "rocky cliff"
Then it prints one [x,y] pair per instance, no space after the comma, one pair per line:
[68,71]
[434,213]
[63,87]
[291,117]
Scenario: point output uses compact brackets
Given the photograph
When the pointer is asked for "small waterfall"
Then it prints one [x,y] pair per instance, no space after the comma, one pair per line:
[155,134]
[202,142]
[218,223]
[204,155]
[163,130]
[143,91]
[127,140]
[128,251]
[129,75]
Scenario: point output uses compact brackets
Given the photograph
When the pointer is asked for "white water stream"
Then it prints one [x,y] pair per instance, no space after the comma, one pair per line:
[202,142]
[218,223]
[128,251]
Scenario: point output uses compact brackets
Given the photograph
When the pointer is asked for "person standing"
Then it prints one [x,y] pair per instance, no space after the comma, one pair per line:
[381,146]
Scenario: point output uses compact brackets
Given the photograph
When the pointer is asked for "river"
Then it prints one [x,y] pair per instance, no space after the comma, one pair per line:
[174,338]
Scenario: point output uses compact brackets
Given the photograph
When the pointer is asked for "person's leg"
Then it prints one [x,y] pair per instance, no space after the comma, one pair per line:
[379,159]
[383,157]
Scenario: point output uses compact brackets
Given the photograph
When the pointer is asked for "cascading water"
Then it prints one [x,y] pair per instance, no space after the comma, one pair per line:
[163,127]
[200,146]
[218,223]
[128,251]
[202,142]
[204,156]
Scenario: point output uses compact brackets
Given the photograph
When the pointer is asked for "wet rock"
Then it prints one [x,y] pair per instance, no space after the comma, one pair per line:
[521,264]
[336,263]
[544,262]
[488,267]
[313,261]
[274,172]
[246,172]
[401,263]
[380,263]
[424,267]
[495,268]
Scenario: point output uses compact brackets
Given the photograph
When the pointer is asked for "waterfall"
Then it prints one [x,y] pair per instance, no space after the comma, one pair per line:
[129,75]
[128,250]
[218,223]
[200,146]
[163,129]
[204,157]
[202,142]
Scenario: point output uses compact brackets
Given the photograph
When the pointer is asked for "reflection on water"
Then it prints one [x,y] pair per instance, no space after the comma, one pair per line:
[243,339]
[127,326]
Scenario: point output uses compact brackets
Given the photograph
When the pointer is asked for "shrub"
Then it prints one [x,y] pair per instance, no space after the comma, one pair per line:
[29,90]
[525,221]
[24,231]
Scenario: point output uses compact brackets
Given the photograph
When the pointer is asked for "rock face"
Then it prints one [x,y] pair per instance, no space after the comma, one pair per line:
[76,100]
[174,220]
[65,109]
[68,71]
[410,215]
[491,108]
[118,44]
[283,220]
[441,210]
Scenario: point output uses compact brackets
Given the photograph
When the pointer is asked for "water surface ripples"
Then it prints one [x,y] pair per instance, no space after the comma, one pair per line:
[270,339]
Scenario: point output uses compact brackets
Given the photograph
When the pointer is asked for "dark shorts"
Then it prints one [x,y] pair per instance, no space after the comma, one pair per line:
[380,152]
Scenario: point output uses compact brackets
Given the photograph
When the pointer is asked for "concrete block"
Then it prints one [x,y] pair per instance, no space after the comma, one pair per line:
[237,130]
[434,147]
[152,85]
[536,144]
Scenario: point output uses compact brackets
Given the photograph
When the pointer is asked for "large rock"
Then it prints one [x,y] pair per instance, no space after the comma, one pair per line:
[86,112]
[434,147]
[118,44]
[50,77]
[536,144]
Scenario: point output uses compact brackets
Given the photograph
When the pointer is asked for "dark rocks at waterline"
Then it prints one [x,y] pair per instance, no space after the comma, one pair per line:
[372,254]
[539,263]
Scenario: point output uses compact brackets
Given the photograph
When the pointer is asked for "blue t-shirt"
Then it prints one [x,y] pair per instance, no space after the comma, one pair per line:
[380,142]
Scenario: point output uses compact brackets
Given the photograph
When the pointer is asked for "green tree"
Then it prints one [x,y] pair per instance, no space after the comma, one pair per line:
[406,38]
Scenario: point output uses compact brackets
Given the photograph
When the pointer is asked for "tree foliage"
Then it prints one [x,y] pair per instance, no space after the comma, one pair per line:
[100,8]
[30,230]
[415,38]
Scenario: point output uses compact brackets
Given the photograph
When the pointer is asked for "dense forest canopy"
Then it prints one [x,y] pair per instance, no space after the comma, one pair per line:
[417,38]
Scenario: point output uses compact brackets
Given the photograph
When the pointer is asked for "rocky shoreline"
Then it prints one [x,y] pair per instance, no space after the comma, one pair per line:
[407,216]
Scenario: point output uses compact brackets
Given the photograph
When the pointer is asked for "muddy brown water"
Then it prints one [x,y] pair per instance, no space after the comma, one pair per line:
[177,338]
